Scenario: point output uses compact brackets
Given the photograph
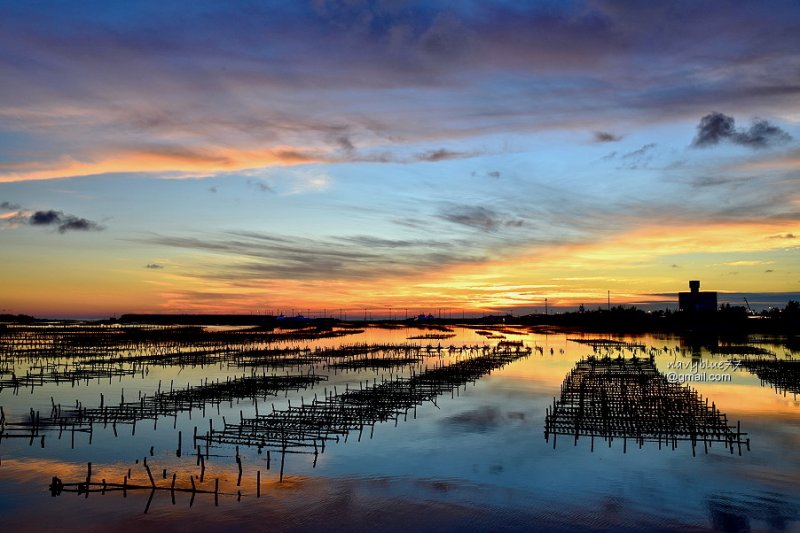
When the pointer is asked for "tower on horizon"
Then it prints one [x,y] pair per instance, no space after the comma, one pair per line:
[695,300]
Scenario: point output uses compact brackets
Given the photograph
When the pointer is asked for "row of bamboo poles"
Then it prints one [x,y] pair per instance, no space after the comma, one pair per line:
[621,398]
[305,428]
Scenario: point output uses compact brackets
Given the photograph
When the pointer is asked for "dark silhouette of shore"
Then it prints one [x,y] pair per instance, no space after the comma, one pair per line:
[620,319]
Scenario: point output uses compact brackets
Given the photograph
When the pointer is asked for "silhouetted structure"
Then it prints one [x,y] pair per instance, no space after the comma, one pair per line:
[305,428]
[630,399]
[170,403]
[695,300]
[161,404]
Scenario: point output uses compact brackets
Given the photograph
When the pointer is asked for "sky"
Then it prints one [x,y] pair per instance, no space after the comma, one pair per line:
[256,157]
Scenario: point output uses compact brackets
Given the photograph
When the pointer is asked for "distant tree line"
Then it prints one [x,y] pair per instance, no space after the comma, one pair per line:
[631,319]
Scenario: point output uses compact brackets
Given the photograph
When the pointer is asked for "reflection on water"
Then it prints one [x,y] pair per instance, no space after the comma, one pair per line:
[308,426]
[731,512]
[160,405]
[453,420]
[783,375]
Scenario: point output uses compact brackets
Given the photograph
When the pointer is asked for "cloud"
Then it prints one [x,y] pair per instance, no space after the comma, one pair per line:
[282,75]
[442,155]
[63,222]
[786,161]
[166,161]
[606,137]
[387,156]
[261,185]
[472,216]
[291,181]
[713,128]
[637,158]
[309,181]
[639,152]
[479,217]
[748,263]
[369,241]
[12,215]
[258,256]
[154,266]
[345,143]
[762,134]
[45,218]
[722,181]
[784,236]
[717,127]
[77,224]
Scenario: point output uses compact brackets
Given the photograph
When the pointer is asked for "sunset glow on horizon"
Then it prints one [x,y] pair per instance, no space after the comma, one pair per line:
[478,157]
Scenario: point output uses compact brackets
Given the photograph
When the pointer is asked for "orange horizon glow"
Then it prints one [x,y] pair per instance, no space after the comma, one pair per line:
[631,265]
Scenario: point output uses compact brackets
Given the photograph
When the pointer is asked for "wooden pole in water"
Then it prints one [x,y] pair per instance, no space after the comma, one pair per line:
[239,463]
[739,435]
[283,458]
[149,473]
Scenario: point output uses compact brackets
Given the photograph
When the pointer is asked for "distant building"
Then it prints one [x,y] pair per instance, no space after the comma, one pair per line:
[694,300]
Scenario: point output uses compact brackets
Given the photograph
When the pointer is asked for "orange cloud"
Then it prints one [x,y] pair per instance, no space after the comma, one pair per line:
[660,240]
[186,162]
[10,215]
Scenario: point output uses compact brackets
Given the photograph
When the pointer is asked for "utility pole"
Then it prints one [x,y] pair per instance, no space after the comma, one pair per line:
[609,300]
[545,307]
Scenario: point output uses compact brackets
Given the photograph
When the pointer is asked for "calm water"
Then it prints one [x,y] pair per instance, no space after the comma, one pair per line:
[475,457]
